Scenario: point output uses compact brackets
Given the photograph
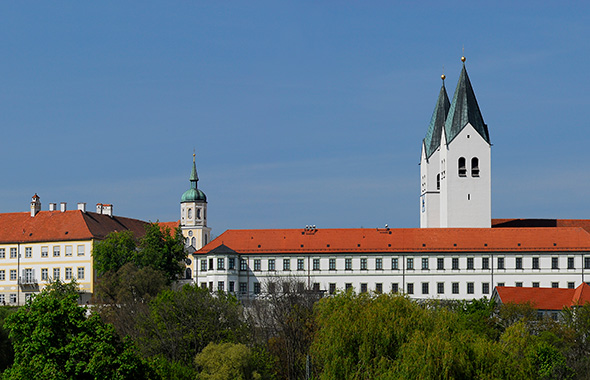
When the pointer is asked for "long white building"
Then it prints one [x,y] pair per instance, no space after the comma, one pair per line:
[458,253]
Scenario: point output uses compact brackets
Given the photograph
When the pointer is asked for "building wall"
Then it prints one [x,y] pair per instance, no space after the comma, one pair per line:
[430,170]
[472,281]
[23,268]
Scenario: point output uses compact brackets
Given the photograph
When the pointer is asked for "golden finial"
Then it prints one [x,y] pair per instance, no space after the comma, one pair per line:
[443,77]
[463,59]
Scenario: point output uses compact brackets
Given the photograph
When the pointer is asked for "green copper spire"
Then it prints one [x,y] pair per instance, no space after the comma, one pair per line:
[464,109]
[193,194]
[437,121]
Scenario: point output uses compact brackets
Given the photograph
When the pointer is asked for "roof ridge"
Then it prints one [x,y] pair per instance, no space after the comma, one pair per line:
[437,122]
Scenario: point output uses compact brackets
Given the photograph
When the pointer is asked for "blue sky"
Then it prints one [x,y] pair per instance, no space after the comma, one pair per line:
[301,112]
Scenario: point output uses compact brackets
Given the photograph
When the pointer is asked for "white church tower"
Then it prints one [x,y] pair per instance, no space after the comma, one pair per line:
[193,214]
[456,169]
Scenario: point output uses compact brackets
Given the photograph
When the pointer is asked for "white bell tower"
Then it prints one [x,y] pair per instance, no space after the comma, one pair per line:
[193,215]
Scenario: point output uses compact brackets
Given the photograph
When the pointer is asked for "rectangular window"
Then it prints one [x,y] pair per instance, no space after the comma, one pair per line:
[68,273]
[28,252]
[44,251]
[535,263]
[332,288]
[3,253]
[378,264]
[243,265]
[2,299]
[586,262]
[425,288]
[394,263]
[286,264]
[470,288]
[518,284]
[485,288]
[364,287]
[55,273]
[243,287]
[440,288]
[424,263]
[2,275]
[535,284]
[440,263]
[204,265]
[257,264]
[271,264]
[410,263]
[13,275]
[332,264]
[231,263]
[300,264]
[519,263]
[56,252]
[300,287]
[257,288]
[220,263]
[348,286]
[500,263]
[232,286]
[316,264]
[80,250]
[348,264]
[395,287]
[570,263]
[12,297]
[13,253]
[470,264]
[555,284]
[220,286]
[44,274]
[316,287]
[571,285]
[80,273]
[500,284]
[555,263]
[203,285]
[455,263]
[363,264]
[485,263]
[378,288]
[455,287]
[69,250]
[410,288]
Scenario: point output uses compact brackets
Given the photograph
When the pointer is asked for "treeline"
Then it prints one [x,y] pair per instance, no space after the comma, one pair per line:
[144,327]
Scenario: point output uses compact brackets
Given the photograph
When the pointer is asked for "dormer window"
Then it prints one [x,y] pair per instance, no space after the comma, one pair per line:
[475,167]
[462,167]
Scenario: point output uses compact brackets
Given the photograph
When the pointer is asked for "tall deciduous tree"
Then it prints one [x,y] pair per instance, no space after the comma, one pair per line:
[54,339]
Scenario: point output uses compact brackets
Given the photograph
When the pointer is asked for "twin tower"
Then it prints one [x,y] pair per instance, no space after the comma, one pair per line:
[455,165]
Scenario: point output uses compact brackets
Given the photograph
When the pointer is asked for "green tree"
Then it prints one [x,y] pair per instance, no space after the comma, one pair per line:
[163,250]
[53,339]
[6,350]
[116,250]
[181,323]
[231,361]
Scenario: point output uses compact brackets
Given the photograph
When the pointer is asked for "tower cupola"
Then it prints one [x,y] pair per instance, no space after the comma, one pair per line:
[194,194]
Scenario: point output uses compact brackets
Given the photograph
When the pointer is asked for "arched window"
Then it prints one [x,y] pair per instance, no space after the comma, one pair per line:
[462,168]
[475,167]
[194,242]
[438,181]
[188,273]
[187,241]
[198,213]
[190,213]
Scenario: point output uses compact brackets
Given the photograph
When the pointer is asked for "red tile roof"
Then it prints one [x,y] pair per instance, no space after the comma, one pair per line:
[403,240]
[583,223]
[545,298]
[21,227]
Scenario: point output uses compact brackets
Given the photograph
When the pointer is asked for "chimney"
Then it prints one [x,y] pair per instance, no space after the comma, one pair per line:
[107,209]
[82,206]
[63,206]
[52,206]
[35,204]
[99,208]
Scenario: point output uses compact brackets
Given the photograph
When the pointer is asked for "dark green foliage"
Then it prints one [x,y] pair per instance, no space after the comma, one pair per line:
[231,361]
[6,350]
[181,323]
[110,254]
[53,339]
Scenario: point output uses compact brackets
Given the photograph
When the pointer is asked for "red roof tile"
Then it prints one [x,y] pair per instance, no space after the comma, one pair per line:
[545,298]
[403,240]
[21,227]
[519,223]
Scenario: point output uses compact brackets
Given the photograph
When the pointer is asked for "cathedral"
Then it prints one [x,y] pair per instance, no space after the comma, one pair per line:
[459,252]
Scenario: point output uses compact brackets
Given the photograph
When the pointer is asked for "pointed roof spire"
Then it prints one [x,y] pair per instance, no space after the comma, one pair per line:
[437,121]
[194,176]
[464,109]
